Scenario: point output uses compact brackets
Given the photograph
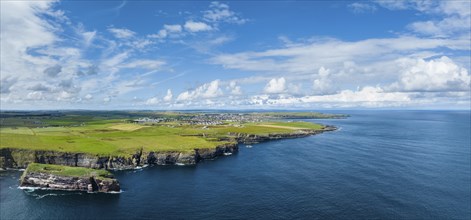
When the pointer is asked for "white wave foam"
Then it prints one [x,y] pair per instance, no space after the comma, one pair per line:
[120,191]
[55,194]
[30,189]
[112,192]
[12,169]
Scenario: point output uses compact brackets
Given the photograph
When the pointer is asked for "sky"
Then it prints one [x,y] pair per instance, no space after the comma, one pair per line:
[235,55]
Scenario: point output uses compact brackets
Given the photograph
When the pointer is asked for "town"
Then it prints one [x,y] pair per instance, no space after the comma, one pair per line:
[211,119]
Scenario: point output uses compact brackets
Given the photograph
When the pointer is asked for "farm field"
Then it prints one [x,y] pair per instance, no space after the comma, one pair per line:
[118,135]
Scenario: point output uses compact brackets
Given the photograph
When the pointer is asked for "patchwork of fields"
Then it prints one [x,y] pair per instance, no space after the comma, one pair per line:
[122,137]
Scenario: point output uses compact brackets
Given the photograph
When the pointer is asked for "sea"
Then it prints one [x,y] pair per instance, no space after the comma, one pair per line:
[377,165]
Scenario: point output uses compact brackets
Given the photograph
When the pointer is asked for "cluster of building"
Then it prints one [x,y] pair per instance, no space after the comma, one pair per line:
[220,118]
[148,120]
[205,119]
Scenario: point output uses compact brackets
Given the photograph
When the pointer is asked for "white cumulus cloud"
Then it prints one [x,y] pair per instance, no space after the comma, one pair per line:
[208,90]
[367,97]
[234,88]
[277,85]
[322,84]
[152,101]
[435,75]
[169,96]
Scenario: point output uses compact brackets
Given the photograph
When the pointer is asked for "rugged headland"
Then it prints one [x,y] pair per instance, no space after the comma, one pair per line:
[56,177]
[75,150]
[20,158]
[120,140]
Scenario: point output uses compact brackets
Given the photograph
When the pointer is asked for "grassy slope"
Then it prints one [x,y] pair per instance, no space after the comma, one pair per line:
[116,138]
[67,171]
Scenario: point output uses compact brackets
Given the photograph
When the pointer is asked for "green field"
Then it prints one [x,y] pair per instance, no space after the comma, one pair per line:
[103,139]
[116,136]
[67,171]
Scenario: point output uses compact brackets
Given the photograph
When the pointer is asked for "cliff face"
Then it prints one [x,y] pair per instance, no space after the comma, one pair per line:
[56,182]
[205,154]
[20,158]
[253,139]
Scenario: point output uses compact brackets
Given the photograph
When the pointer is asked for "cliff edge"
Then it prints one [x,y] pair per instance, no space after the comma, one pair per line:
[56,177]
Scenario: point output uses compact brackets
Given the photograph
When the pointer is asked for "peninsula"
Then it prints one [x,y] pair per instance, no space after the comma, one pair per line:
[72,150]
[126,140]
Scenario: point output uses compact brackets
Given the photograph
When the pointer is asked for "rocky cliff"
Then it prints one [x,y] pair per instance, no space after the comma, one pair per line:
[57,181]
[253,139]
[20,158]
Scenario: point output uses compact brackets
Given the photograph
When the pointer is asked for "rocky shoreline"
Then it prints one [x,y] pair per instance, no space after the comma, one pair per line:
[48,180]
[20,158]
[53,182]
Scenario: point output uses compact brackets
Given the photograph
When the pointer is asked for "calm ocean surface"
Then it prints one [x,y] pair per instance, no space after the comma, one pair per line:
[380,164]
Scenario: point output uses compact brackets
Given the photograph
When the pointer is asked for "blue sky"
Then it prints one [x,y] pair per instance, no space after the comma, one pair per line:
[235,54]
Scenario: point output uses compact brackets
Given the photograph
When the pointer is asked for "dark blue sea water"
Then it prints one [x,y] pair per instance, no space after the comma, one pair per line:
[380,164]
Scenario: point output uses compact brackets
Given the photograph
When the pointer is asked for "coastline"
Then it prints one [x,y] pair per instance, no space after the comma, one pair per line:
[13,158]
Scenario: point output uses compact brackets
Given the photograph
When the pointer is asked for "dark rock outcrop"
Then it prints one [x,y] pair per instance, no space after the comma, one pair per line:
[56,182]
[205,154]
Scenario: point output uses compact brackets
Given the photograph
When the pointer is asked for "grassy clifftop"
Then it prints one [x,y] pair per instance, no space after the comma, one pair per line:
[119,135]
[59,170]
